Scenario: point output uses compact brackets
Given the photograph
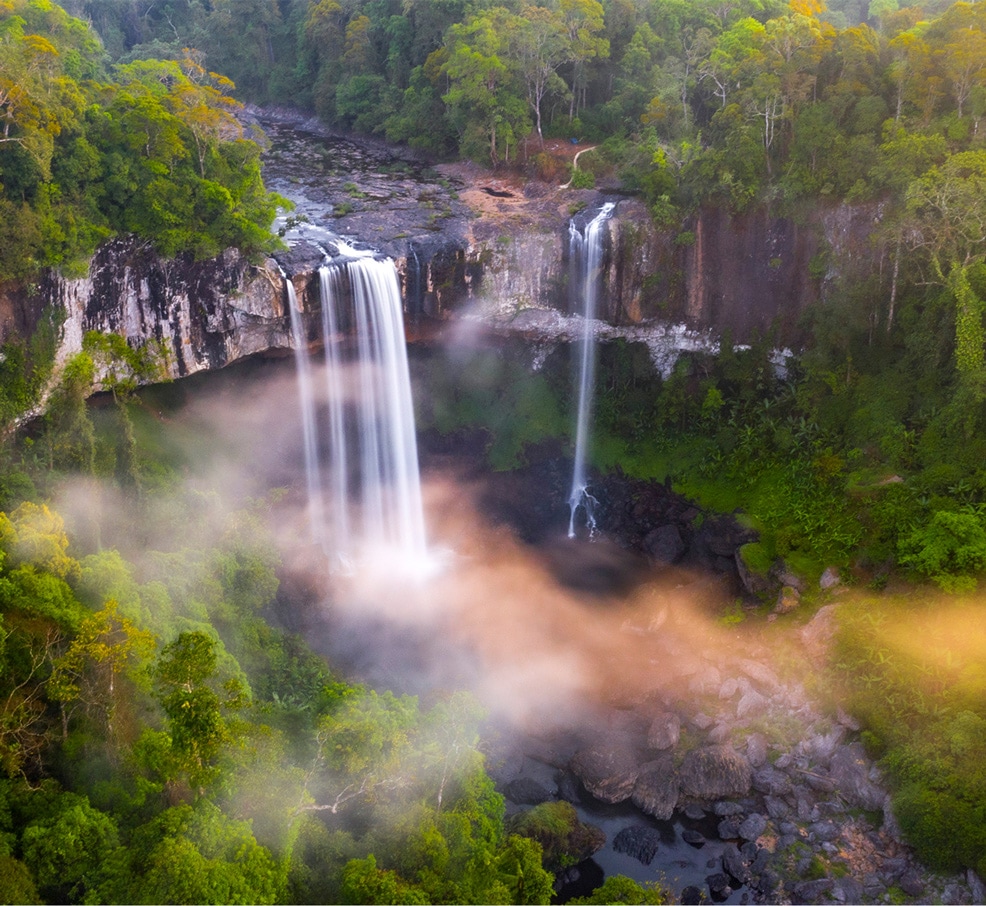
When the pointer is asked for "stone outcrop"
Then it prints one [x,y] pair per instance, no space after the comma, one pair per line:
[201,314]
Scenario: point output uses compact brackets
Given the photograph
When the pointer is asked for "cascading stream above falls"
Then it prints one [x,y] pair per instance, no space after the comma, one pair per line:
[586,250]
[366,440]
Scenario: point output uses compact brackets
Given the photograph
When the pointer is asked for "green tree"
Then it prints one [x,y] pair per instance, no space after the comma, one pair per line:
[197,728]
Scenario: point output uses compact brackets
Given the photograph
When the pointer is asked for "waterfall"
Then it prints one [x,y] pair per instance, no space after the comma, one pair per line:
[586,259]
[369,445]
[306,395]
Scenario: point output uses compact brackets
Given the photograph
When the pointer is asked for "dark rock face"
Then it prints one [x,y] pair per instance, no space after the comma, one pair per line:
[202,314]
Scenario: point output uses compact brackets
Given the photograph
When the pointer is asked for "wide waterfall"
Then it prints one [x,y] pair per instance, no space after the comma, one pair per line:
[586,251]
[365,439]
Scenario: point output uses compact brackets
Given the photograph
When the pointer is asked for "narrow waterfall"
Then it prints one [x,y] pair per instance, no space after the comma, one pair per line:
[313,479]
[586,254]
[368,442]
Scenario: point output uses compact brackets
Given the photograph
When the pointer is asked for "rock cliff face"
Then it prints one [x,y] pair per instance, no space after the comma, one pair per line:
[741,274]
[203,314]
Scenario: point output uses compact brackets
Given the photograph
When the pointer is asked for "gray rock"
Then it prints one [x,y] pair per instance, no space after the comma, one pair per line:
[655,791]
[849,771]
[638,842]
[664,545]
[753,827]
[714,772]
[609,774]
[756,750]
[911,883]
[719,885]
[830,578]
[728,828]
[734,864]
[776,807]
[726,808]
[761,674]
[817,634]
[702,721]
[847,890]
[694,811]
[811,891]
[525,791]
[976,886]
[768,779]
[665,731]
[752,702]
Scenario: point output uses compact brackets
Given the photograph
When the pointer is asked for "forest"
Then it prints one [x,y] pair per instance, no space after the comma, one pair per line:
[160,739]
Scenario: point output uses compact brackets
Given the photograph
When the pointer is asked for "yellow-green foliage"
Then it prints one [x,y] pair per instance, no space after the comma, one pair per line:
[914,673]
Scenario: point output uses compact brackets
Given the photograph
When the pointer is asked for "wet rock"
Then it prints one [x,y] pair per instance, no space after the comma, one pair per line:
[664,545]
[719,885]
[638,842]
[609,774]
[714,772]
[693,838]
[735,865]
[525,791]
[665,731]
[655,791]
[691,896]
[753,827]
[729,827]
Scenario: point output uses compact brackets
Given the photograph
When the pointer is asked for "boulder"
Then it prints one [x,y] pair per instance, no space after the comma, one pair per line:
[638,842]
[608,773]
[525,791]
[656,789]
[849,771]
[664,545]
[665,731]
[714,772]
[753,827]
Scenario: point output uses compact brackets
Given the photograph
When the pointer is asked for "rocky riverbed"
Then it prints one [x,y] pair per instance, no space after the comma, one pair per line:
[736,778]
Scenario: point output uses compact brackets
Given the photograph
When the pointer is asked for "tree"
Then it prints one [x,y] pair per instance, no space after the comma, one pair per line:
[87,674]
[946,221]
[66,849]
[197,729]
[539,43]
[482,97]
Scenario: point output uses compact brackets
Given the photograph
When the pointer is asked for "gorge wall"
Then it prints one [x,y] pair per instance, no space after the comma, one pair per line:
[721,272]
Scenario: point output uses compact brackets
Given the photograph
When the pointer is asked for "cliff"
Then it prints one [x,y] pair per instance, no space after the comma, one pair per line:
[742,274]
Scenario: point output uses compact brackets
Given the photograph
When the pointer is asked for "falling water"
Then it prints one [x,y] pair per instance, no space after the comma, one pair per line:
[586,255]
[308,430]
[370,450]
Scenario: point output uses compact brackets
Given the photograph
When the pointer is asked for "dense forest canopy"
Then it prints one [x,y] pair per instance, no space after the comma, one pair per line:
[159,740]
